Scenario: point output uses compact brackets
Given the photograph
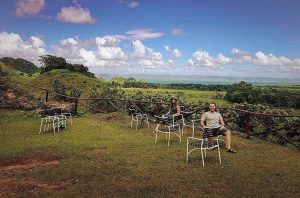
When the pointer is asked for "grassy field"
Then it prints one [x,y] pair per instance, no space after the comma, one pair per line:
[101,156]
[190,96]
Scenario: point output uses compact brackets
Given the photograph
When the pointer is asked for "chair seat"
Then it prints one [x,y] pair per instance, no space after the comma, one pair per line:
[195,144]
[202,145]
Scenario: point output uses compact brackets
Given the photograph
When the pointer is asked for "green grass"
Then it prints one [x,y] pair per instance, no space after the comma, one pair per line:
[109,159]
[69,79]
[191,96]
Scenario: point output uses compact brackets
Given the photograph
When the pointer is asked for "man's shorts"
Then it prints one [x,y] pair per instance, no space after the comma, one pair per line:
[214,132]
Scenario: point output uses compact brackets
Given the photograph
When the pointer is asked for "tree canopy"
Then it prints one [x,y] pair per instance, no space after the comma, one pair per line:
[50,62]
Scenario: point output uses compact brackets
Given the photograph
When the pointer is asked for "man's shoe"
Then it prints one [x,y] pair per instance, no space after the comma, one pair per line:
[231,150]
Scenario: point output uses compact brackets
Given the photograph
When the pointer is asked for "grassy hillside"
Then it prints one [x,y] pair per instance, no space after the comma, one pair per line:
[69,79]
[20,64]
[99,157]
[10,71]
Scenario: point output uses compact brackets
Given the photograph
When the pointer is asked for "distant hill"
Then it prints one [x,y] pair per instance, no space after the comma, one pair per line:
[187,79]
[20,64]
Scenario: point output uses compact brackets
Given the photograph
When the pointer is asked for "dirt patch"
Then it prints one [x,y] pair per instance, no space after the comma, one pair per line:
[11,185]
[27,163]
[109,117]
[30,186]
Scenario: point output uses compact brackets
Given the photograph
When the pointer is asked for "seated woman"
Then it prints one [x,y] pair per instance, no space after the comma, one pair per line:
[174,110]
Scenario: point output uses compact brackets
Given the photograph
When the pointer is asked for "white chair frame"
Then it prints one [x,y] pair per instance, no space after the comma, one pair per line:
[203,148]
[138,119]
[68,117]
[169,132]
[174,124]
[54,121]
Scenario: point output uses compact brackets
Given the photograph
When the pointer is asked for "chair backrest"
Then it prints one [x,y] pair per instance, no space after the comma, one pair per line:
[57,111]
[161,120]
[47,112]
[177,117]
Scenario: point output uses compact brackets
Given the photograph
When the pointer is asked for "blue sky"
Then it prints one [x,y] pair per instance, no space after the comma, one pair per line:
[191,37]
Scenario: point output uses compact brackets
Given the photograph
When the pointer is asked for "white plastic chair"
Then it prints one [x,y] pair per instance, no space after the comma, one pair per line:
[68,117]
[194,124]
[139,119]
[170,129]
[202,145]
[52,121]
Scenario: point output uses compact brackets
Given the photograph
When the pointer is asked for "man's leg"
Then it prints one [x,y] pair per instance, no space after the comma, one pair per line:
[228,142]
[228,139]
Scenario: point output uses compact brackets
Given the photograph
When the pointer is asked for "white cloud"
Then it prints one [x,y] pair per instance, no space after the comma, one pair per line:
[178,32]
[147,57]
[242,56]
[170,62]
[204,59]
[139,50]
[175,52]
[12,45]
[100,51]
[75,14]
[223,60]
[268,62]
[238,52]
[140,34]
[132,4]
[270,59]
[29,7]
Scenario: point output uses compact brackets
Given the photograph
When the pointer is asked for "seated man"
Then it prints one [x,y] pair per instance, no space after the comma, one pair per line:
[215,126]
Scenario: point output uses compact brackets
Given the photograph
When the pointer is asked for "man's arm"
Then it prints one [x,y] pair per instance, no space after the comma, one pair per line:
[222,122]
[202,125]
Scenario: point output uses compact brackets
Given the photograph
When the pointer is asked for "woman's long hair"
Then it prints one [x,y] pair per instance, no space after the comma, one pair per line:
[173,105]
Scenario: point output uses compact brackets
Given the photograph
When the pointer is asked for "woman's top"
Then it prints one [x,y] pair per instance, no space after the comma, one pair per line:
[173,109]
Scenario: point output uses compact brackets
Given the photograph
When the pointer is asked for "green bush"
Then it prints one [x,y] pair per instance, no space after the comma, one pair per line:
[246,92]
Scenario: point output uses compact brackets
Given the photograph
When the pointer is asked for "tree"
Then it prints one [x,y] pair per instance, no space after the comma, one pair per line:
[50,62]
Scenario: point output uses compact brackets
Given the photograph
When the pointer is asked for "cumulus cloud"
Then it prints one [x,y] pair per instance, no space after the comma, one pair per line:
[75,14]
[29,7]
[270,59]
[100,51]
[169,63]
[12,45]
[204,59]
[147,57]
[131,4]
[178,32]
[175,52]
[259,59]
